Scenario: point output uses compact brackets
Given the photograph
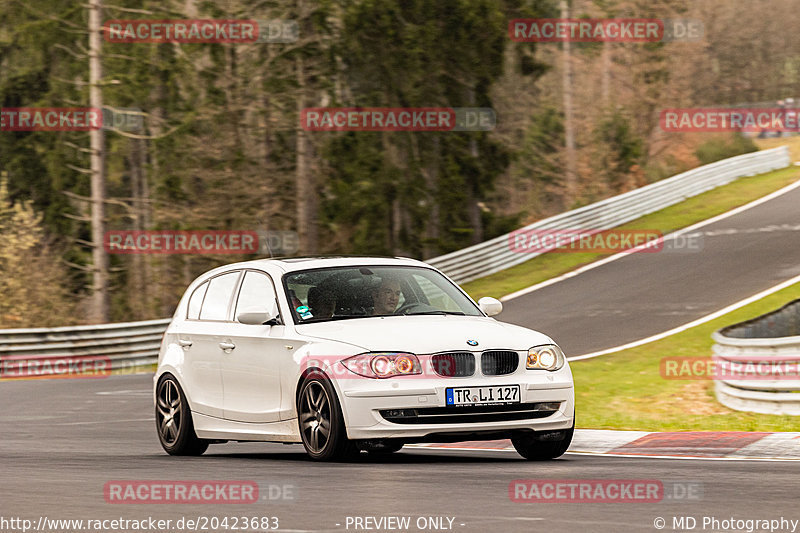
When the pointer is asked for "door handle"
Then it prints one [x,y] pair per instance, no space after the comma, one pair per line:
[184,343]
[227,346]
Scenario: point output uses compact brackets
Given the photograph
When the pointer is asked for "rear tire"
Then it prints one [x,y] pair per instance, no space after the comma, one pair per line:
[174,420]
[321,422]
[542,446]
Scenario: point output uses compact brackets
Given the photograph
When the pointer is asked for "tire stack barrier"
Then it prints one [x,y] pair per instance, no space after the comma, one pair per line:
[772,339]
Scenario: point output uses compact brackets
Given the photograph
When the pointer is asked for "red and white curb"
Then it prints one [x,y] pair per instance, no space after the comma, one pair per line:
[732,445]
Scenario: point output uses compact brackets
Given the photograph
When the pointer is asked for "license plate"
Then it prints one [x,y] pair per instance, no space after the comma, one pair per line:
[496,394]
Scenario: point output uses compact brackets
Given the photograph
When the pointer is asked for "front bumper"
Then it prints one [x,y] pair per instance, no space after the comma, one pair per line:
[363,401]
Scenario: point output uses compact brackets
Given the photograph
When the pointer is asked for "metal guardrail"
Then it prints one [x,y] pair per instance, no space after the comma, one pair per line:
[770,341]
[126,344]
[137,343]
[496,254]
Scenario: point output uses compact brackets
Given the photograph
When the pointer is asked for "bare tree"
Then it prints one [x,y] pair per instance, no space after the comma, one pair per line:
[569,131]
[304,178]
[99,303]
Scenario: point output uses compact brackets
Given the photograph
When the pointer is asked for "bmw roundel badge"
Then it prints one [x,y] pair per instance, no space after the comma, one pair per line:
[472,342]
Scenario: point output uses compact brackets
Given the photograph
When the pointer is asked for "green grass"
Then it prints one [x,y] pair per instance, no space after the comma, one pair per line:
[792,142]
[625,390]
[691,211]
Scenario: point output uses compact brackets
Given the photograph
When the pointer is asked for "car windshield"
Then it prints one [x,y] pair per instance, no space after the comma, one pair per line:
[339,293]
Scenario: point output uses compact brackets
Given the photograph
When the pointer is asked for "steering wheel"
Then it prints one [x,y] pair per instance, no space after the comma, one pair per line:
[405,308]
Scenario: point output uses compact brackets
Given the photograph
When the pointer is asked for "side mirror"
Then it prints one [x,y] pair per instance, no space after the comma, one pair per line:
[490,306]
[257,316]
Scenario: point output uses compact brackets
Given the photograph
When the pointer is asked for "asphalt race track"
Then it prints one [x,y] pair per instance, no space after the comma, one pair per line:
[643,294]
[63,439]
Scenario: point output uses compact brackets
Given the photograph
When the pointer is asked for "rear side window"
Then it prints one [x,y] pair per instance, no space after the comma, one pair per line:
[218,296]
[256,293]
[195,301]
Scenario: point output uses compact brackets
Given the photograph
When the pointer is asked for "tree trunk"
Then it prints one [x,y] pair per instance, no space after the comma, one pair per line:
[161,304]
[569,131]
[606,74]
[304,179]
[99,307]
[431,174]
[474,210]
[137,284]
[397,222]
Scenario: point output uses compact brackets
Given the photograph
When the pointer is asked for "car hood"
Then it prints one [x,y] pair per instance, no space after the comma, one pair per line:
[425,334]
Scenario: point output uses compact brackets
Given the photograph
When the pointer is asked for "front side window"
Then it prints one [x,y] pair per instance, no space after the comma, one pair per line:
[356,292]
[256,293]
[218,297]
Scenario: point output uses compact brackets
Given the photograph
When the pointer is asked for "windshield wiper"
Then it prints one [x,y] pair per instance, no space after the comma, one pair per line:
[317,320]
[345,317]
[437,313]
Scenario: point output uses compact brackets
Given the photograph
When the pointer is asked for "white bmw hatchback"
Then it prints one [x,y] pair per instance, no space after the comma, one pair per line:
[353,354]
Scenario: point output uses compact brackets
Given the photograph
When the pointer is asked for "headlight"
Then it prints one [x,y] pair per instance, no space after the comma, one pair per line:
[383,364]
[545,357]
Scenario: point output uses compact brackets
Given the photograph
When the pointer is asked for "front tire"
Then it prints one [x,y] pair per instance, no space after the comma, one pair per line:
[321,422]
[174,420]
[542,446]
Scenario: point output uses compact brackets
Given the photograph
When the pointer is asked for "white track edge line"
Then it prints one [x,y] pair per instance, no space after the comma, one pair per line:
[633,456]
[693,323]
[620,255]
[691,458]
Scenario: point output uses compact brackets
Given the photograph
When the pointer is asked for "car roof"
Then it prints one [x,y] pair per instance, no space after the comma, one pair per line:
[282,265]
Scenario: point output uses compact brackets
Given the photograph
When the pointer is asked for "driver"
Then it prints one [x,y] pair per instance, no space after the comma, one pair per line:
[321,302]
[386,296]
